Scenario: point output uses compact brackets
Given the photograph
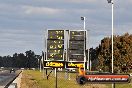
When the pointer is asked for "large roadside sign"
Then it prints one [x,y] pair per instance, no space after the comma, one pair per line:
[77,45]
[55,45]
[66,47]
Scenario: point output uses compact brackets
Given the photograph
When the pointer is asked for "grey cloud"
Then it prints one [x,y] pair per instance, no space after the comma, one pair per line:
[22,22]
[19,40]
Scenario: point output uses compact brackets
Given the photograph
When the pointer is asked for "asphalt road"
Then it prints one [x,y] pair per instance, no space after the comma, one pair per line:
[6,77]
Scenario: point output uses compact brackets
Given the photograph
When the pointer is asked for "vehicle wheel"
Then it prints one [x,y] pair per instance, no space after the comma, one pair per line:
[81,80]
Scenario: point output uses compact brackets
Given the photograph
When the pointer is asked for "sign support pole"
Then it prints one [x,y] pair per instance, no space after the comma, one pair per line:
[56,77]
[83,18]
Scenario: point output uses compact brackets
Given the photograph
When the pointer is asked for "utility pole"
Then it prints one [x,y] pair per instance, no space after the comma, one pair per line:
[112,17]
[83,18]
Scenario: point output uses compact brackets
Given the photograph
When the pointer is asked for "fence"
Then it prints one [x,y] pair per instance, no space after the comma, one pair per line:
[66,79]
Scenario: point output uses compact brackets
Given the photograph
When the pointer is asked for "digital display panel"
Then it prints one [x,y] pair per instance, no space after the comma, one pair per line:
[55,51]
[79,45]
[77,35]
[76,32]
[55,34]
[77,42]
[74,57]
[55,45]
[76,51]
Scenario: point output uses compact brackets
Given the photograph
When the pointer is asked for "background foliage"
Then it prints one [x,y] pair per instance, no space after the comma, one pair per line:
[122,53]
[27,60]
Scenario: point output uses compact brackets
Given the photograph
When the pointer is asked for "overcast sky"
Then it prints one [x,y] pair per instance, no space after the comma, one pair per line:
[23,22]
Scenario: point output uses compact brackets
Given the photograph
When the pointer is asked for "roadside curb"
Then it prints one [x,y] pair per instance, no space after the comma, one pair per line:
[13,80]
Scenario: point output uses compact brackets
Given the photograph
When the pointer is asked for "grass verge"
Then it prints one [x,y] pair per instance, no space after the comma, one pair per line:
[35,79]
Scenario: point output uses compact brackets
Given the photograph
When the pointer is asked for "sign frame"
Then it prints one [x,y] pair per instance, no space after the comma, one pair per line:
[54,39]
[85,39]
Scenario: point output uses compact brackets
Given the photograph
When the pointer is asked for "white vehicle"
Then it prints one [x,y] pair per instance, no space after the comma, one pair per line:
[130,74]
[33,68]
[22,68]
[12,70]
[1,67]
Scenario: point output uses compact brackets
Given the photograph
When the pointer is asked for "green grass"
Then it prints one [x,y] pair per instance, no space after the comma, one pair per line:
[50,83]
[42,82]
[121,85]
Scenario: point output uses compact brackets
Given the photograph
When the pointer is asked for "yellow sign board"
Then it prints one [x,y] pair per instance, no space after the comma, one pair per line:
[55,64]
[74,65]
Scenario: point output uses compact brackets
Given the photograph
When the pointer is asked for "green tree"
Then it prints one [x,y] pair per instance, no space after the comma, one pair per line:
[122,53]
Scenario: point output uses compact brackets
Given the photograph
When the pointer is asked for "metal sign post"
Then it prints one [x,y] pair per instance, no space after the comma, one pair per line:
[55,77]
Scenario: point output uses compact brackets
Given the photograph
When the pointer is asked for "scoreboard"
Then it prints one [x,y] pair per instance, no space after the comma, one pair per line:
[77,43]
[71,41]
[55,45]
[65,48]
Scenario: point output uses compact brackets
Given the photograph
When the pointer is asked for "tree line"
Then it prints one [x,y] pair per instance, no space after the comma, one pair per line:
[21,60]
[122,53]
[100,56]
